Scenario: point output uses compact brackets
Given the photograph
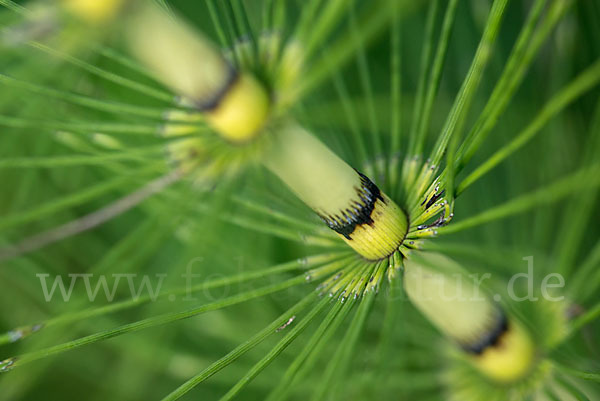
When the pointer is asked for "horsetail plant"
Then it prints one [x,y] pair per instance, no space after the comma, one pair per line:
[251,96]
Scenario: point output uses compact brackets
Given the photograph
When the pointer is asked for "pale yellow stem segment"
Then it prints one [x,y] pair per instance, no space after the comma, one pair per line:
[369,221]
[242,112]
[459,309]
[511,359]
[93,11]
[235,104]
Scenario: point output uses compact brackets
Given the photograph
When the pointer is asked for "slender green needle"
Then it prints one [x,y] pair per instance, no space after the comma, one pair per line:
[84,223]
[85,126]
[167,318]
[109,76]
[592,376]
[328,18]
[579,181]
[214,16]
[571,388]
[395,84]
[360,145]
[307,18]
[388,329]
[266,15]
[551,395]
[241,349]
[461,106]
[232,24]
[11,5]
[583,83]
[281,345]
[306,263]
[122,59]
[527,46]
[369,25]
[434,80]
[592,314]
[340,361]
[585,280]
[242,19]
[79,160]
[367,87]
[164,5]
[321,239]
[65,202]
[580,211]
[102,105]
[232,29]
[285,384]
[276,214]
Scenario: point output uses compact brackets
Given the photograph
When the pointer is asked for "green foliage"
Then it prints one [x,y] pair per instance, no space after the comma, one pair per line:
[494,102]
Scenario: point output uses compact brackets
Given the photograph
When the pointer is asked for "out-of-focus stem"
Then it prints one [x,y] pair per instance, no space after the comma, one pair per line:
[235,103]
[495,343]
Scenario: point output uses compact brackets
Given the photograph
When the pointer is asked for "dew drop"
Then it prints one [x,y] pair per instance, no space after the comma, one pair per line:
[7,364]
[15,335]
